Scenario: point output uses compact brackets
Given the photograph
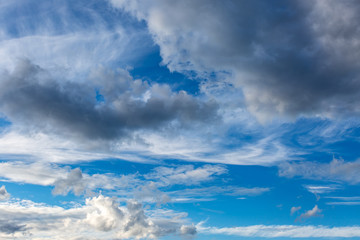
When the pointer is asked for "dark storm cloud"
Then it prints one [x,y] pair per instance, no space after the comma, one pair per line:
[289,57]
[30,96]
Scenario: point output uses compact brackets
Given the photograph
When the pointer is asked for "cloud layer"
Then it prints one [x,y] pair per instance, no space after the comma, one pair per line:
[32,98]
[336,170]
[281,231]
[100,218]
[287,57]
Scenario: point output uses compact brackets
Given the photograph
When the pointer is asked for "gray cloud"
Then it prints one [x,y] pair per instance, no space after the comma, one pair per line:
[30,97]
[100,218]
[288,57]
[4,195]
[73,182]
[294,210]
[185,175]
[10,228]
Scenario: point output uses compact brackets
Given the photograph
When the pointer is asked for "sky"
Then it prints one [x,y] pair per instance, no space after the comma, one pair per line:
[207,119]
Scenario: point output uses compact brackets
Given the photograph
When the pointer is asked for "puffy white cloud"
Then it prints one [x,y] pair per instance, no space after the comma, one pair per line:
[100,218]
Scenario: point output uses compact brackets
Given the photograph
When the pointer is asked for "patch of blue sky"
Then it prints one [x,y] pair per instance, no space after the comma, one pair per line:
[40,194]
[149,68]
[4,123]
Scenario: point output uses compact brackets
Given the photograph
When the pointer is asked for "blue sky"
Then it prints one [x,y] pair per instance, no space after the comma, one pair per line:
[179,119]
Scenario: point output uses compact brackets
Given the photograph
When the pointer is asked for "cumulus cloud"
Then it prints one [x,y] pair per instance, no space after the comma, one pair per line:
[336,170]
[286,57]
[281,231]
[32,98]
[4,195]
[100,218]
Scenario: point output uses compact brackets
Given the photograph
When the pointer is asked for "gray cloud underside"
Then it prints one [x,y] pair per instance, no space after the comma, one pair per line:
[9,228]
[30,97]
[289,57]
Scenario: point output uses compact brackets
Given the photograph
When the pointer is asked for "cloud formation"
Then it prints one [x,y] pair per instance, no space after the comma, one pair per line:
[310,213]
[64,179]
[286,57]
[294,210]
[336,170]
[58,36]
[185,175]
[32,98]
[281,231]
[4,195]
[100,218]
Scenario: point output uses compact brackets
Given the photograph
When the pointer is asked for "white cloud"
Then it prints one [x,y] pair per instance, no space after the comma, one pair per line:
[64,44]
[315,189]
[343,203]
[186,174]
[63,179]
[210,193]
[281,231]
[33,173]
[100,218]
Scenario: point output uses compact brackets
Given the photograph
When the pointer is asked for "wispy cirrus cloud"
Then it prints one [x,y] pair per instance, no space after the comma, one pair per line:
[336,170]
[32,98]
[281,231]
[345,201]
